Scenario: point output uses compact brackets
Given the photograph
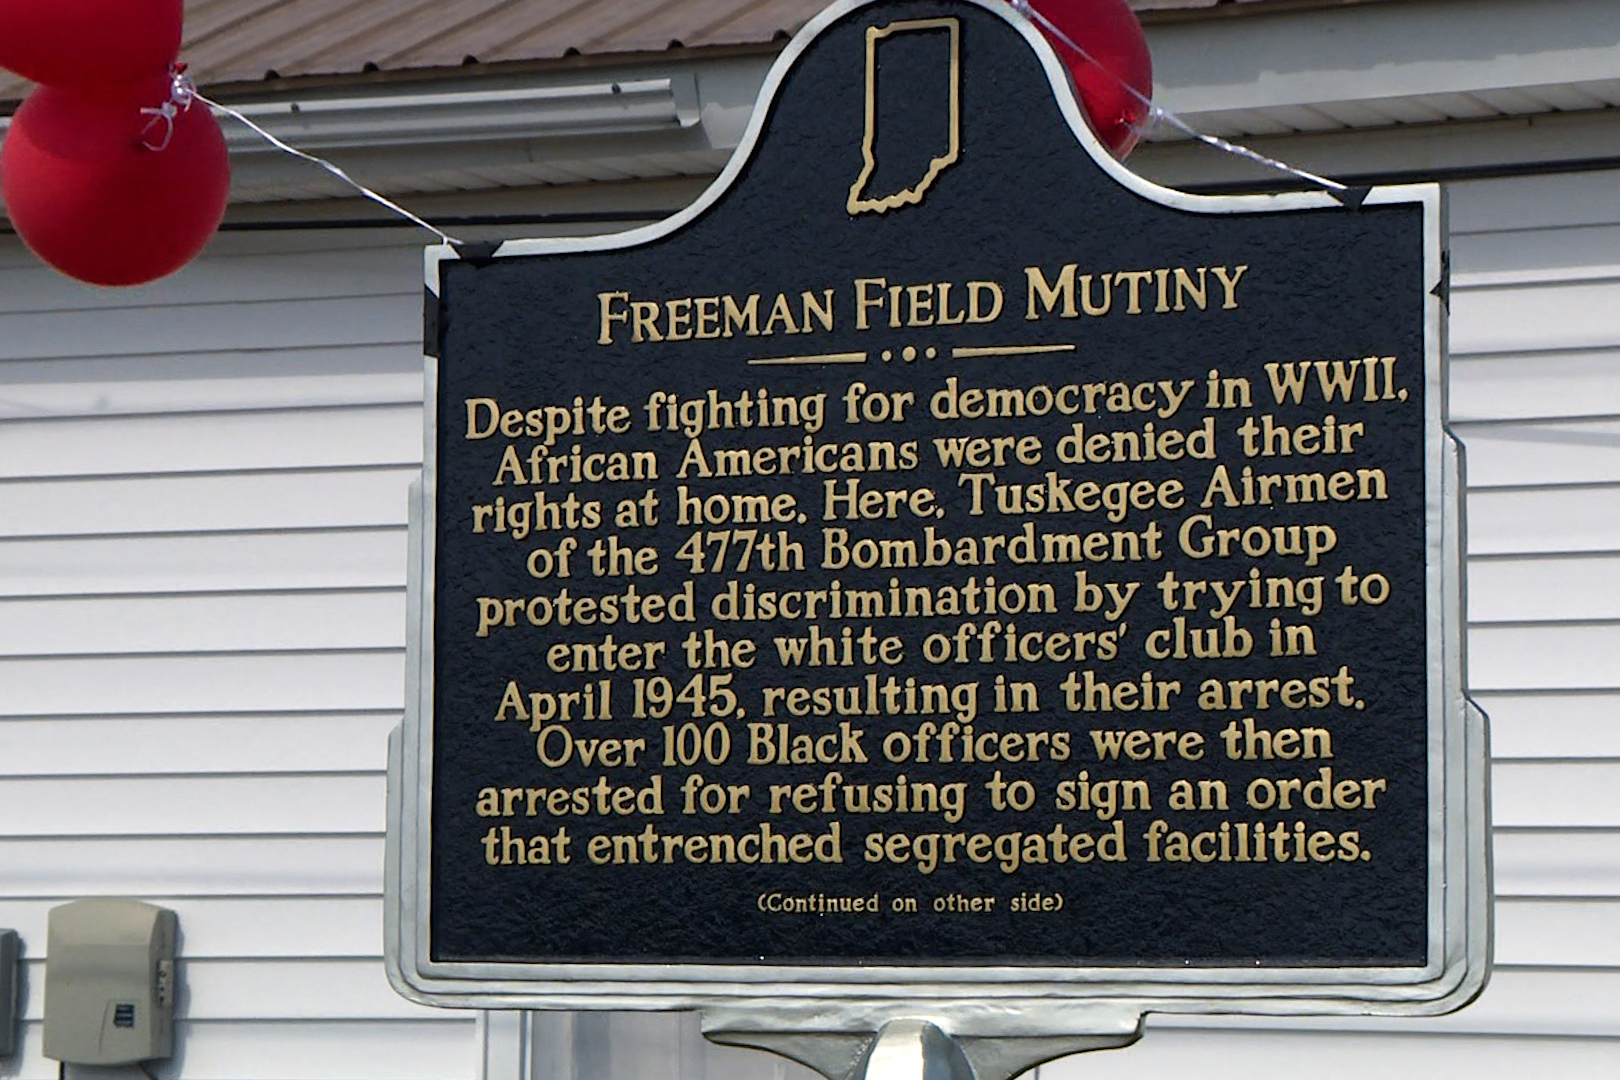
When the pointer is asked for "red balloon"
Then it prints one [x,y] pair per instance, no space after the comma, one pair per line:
[89,43]
[89,195]
[1116,84]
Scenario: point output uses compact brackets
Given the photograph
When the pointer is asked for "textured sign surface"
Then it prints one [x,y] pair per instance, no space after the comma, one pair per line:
[933,550]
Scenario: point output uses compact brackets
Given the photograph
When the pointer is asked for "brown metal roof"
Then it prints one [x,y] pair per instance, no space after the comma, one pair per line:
[249,41]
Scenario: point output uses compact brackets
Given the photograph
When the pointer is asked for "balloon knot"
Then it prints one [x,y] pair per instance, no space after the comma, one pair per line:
[182,92]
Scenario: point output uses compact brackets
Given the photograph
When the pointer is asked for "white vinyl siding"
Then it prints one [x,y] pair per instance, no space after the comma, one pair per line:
[202,569]
[1535,381]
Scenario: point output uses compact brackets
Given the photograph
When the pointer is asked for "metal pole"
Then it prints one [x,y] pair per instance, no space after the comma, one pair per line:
[913,1050]
[910,1048]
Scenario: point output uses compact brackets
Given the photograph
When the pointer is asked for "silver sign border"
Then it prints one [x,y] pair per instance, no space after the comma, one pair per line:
[990,1000]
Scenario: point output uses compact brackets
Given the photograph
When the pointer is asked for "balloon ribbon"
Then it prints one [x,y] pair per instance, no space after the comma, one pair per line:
[182,92]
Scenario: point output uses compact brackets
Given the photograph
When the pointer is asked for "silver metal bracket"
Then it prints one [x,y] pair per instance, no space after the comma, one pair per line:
[909,1048]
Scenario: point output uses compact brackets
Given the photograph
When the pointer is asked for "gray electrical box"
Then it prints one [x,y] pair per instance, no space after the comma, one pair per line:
[9,948]
[109,982]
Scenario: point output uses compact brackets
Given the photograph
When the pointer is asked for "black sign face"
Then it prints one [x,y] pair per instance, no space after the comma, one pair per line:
[935,551]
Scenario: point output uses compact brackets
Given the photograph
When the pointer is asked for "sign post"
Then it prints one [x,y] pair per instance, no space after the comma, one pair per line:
[941,580]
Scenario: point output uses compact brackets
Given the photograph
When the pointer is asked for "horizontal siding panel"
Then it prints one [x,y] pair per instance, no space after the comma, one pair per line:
[375,265]
[192,805]
[1553,725]
[353,558]
[375,374]
[1552,316]
[234,323]
[207,503]
[1546,520]
[247,622]
[317,989]
[437,1047]
[1583,383]
[1273,1055]
[1551,863]
[442,1047]
[219,928]
[1545,657]
[1516,1002]
[1564,452]
[195,744]
[1565,933]
[310,682]
[1536,589]
[1584,794]
[190,866]
[1519,255]
[212,442]
[1513,204]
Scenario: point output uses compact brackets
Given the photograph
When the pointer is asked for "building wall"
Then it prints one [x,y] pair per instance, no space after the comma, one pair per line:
[202,557]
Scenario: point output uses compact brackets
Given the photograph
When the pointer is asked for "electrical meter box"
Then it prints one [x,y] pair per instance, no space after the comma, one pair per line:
[109,982]
[9,947]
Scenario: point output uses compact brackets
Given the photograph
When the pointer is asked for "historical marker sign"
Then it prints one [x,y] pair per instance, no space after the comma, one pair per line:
[942,564]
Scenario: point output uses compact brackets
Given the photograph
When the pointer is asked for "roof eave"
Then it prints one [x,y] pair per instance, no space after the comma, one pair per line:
[1310,72]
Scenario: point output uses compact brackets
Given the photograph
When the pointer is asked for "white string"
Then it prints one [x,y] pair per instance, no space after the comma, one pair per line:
[1243,151]
[181,94]
[166,113]
[1158,114]
[185,92]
